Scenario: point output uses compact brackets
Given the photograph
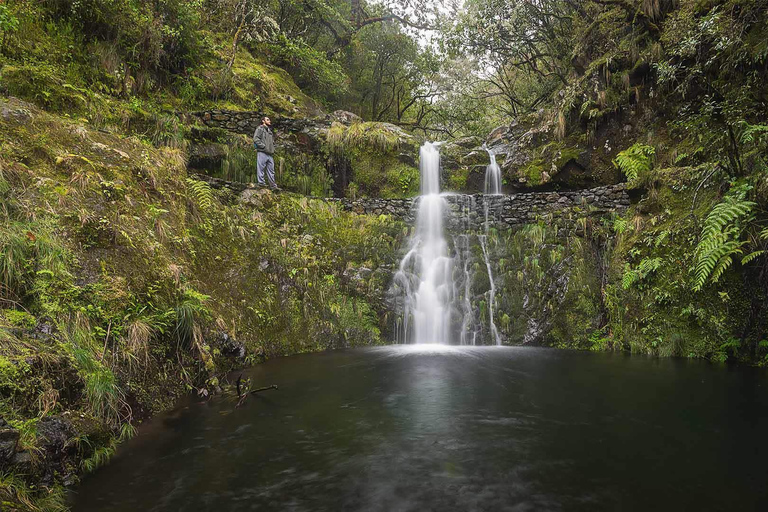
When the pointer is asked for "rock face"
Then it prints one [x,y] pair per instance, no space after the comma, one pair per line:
[55,456]
[531,158]
[9,439]
[54,435]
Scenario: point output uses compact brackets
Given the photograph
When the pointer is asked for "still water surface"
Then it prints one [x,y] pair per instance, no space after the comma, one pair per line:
[448,428]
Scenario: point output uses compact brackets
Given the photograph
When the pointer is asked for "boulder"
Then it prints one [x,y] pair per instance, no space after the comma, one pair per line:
[468,142]
[53,434]
[476,157]
[229,346]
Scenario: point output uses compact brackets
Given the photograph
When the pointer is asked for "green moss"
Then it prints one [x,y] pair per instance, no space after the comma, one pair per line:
[457,180]
[533,171]
[565,155]
[19,319]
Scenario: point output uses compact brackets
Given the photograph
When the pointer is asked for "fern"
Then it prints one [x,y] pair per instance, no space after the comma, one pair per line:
[644,269]
[635,160]
[719,241]
[752,132]
[202,193]
[751,256]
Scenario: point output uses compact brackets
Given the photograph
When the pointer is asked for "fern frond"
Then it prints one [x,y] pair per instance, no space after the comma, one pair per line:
[635,160]
[751,256]
[719,241]
[728,211]
[201,192]
[721,267]
[629,278]
[715,260]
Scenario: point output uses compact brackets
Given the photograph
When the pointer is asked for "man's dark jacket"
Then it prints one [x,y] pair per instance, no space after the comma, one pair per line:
[264,140]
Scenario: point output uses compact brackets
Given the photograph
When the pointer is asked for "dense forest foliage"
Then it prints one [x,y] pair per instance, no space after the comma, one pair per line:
[125,282]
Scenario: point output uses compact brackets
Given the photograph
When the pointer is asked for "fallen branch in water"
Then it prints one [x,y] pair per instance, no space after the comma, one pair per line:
[273,386]
[243,389]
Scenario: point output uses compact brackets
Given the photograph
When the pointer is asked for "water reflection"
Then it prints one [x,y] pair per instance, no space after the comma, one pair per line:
[441,427]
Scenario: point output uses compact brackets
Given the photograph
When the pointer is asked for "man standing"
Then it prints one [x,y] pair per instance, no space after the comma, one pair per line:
[264,141]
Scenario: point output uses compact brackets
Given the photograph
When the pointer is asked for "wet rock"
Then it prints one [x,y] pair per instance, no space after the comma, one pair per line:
[53,434]
[22,463]
[229,346]
[408,159]
[497,135]
[345,117]
[9,439]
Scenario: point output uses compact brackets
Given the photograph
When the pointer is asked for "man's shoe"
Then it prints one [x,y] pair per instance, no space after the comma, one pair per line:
[276,189]
[261,185]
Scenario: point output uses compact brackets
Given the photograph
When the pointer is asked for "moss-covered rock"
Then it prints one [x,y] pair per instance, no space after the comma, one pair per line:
[373,159]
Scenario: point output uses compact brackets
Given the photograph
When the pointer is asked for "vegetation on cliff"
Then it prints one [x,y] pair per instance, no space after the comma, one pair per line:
[670,94]
[124,281]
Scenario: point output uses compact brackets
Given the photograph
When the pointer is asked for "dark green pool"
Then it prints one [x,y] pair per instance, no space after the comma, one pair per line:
[443,429]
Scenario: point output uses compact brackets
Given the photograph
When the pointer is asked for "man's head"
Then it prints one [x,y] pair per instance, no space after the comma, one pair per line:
[266,121]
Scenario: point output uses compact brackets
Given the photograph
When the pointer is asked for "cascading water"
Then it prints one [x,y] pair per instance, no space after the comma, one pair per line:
[492,175]
[433,285]
[425,273]
[492,188]
[492,291]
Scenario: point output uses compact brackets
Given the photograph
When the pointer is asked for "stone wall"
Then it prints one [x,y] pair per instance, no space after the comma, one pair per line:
[246,122]
[469,211]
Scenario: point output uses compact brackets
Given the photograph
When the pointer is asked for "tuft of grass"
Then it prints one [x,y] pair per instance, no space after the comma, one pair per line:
[15,494]
[239,164]
[102,391]
[190,309]
[372,135]
[137,336]
[102,454]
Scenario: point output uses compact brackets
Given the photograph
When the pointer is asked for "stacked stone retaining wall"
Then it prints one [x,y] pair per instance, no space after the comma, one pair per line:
[470,211]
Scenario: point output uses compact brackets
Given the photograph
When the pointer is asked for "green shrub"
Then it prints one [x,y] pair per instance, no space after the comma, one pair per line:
[309,67]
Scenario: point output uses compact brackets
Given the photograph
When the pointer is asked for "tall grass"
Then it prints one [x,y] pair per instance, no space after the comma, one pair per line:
[102,390]
[376,136]
[15,494]
[239,164]
[190,310]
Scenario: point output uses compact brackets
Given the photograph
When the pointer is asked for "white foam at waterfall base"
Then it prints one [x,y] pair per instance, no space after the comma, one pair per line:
[425,273]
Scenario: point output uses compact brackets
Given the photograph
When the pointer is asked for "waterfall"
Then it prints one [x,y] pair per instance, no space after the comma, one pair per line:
[492,175]
[425,274]
[493,188]
[432,287]
[462,244]
[492,291]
